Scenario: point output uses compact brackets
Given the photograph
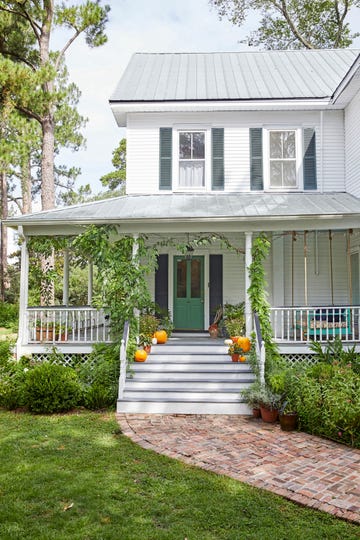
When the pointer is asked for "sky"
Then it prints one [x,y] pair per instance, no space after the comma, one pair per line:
[138,26]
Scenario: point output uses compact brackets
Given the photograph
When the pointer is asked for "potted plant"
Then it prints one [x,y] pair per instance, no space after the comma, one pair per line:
[269,405]
[148,324]
[234,320]
[252,397]
[288,416]
[236,352]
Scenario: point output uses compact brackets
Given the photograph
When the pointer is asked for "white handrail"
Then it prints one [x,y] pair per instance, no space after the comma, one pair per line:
[123,359]
[260,348]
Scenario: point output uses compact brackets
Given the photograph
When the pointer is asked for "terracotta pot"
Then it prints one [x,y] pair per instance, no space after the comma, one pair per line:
[214,332]
[288,421]
[268,415]
[235,357]
[147,348]
[256,412]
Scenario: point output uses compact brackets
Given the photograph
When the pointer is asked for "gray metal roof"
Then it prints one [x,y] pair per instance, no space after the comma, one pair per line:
[255,75]
[198,207]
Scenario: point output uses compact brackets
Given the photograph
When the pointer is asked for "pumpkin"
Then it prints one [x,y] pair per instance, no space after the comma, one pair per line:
[140,355]
[244,343]
[242,358]
[161,336]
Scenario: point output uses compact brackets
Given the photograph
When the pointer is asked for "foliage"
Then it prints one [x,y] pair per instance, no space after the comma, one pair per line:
[12,379]
[234,319]
[235,348]
[327,399]
[50,388]
[9,315]
[148,324]
[81,479]
[258,297]
[100,376]
[293,24]
[116,179]
[334,351]
[261,395]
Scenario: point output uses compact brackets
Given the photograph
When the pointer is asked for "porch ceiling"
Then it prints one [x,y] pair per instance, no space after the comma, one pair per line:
[199,212]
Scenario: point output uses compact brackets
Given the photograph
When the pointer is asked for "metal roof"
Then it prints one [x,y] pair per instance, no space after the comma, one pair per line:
[188,207]
[255,75]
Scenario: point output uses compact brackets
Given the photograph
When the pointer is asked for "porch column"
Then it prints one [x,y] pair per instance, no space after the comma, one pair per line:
[135,251]
[90,282]
[248,261]
[24,291]
[65,299]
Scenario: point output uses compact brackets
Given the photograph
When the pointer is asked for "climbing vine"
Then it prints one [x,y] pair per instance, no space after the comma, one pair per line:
[258,297]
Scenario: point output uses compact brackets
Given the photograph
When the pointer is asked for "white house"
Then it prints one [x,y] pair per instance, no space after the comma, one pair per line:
[232,144]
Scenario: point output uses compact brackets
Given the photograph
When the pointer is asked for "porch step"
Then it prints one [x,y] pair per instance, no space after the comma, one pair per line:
[188,375]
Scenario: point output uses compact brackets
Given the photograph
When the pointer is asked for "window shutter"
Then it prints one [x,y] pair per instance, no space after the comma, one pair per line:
[217,151]
[165,180]
[256,159]
[309,159]
[162,282]
[215,284]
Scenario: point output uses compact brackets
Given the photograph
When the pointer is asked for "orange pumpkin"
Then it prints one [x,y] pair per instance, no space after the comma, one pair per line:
[161,336]
[140,355]
[242,358]
[244,343]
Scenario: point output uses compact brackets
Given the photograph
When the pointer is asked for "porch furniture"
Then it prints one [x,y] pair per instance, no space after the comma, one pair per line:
[329,322]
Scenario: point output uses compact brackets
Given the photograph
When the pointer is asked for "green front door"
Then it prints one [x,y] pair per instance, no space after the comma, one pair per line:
[189,293]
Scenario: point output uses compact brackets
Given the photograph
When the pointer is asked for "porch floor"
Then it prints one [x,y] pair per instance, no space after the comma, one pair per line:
[306,469]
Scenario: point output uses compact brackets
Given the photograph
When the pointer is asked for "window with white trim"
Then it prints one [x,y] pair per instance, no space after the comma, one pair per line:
[282,159]
[191,159]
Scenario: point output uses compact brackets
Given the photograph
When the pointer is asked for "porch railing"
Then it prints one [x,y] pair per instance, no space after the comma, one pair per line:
[316,323]
[58,324]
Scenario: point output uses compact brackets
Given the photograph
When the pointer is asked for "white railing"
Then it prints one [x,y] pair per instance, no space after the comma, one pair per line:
[58,324]
[260,348]
[317,323]
[123,359]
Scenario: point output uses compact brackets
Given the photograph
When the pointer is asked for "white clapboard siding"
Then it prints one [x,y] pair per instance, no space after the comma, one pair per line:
[352,146]
[143,144]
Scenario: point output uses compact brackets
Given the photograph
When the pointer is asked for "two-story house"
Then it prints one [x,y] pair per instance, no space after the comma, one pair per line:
[229,145]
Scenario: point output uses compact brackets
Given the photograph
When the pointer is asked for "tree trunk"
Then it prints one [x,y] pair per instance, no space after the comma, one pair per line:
[3,230]
[47,164]
[26,186]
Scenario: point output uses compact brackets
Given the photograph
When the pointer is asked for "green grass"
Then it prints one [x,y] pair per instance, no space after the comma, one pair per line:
[7,334]
[76,477]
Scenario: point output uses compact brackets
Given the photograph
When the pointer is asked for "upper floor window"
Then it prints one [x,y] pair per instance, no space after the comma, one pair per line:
[192,159]
[282,159]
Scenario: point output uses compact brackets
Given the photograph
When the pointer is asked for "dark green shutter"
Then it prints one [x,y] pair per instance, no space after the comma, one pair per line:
[165,179]
[217,151]
[309,159]
[215,284]
[162,282]
[256,159]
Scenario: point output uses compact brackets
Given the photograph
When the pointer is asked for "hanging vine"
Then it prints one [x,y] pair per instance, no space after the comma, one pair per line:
[258,297]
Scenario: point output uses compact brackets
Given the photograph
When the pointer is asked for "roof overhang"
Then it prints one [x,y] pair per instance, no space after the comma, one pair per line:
[121,109]
[348,87]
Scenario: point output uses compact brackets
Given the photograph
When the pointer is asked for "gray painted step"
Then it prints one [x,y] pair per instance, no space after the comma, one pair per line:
[188,367]
[183,384]
[181,407]
[191,375]
[224,395]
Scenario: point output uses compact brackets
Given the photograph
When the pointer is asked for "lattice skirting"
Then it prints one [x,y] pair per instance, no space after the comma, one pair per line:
[69,359]
[299,358]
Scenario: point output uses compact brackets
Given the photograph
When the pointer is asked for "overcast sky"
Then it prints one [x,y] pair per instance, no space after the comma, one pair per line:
[138,26]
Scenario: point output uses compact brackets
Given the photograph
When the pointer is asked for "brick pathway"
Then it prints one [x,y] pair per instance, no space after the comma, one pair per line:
[308,470]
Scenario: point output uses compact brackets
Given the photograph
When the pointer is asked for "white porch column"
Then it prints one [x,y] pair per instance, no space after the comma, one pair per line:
[24,291]
[90,282]
[248,261]
[65,299]
[135,252]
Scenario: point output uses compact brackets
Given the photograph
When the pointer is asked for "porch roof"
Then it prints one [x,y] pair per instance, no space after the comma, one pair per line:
[215,211]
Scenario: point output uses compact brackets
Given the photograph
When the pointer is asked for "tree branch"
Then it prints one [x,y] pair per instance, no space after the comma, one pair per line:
[64,49]
[29,113]
[282,7]
[18,57]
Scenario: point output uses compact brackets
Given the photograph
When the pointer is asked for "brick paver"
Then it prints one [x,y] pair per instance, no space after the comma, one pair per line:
[303,468]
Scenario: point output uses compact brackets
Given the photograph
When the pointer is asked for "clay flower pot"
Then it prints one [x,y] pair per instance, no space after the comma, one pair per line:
[269,415]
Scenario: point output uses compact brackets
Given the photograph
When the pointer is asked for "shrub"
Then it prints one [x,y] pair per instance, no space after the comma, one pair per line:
[327,399]
[100,376]
[6,352]
[9,315]
[50,388]
[12,379]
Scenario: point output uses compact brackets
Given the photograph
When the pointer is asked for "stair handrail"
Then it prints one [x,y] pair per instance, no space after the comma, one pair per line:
[123,358]
[260,348]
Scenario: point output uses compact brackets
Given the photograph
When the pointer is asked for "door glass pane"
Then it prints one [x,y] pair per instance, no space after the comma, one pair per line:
[195,278]
[181,279]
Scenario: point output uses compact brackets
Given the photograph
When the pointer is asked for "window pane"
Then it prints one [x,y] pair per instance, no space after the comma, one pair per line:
[185,145]
[275,144]
[195,278]
[192,174]
[289,174]
[181,279]
[289,144]
[198,145]
[276,174]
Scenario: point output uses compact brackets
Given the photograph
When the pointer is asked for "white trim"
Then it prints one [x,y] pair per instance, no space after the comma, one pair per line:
[299,158]
[181,128]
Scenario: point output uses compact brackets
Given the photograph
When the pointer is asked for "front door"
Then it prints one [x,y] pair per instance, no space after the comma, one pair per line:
[189,293]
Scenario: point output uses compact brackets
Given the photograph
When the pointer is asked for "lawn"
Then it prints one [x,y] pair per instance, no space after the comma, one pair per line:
[76,477]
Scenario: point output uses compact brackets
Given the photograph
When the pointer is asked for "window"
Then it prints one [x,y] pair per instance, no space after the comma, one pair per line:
[282,159]
[192,159]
